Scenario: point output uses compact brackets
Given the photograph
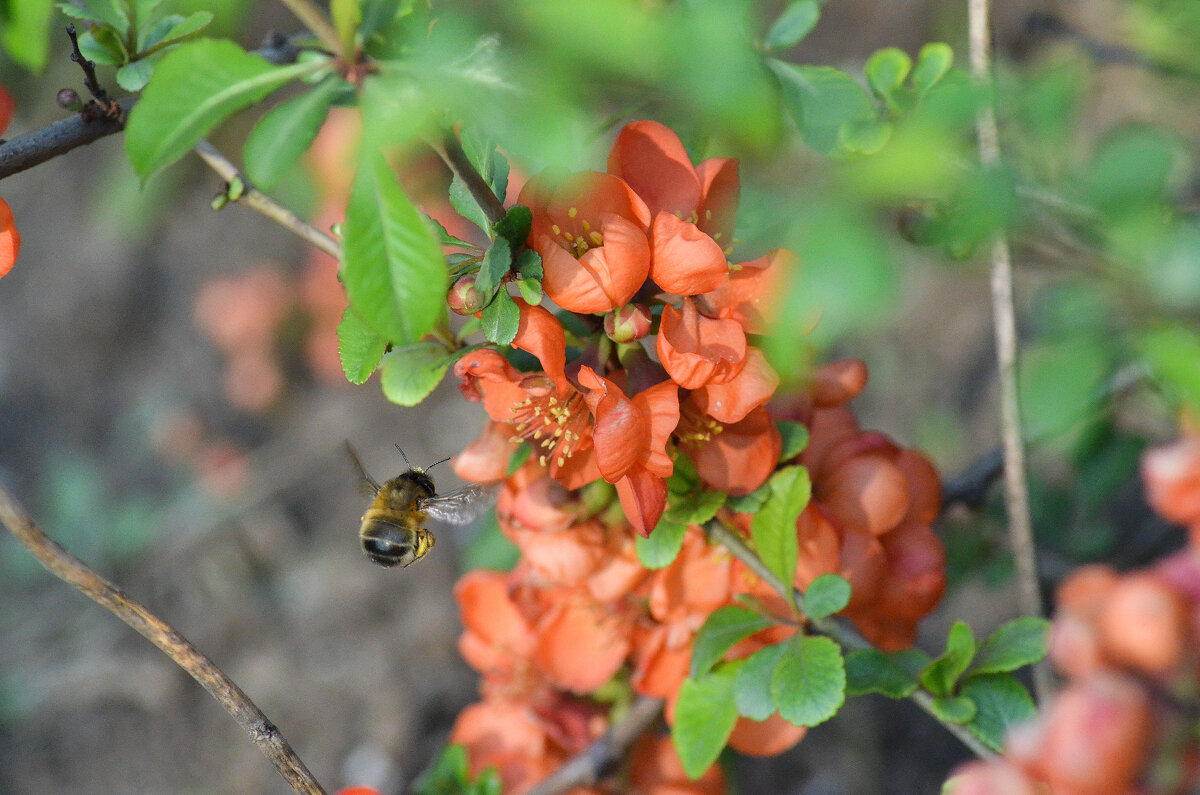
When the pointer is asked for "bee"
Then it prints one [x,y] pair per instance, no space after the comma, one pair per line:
[393,531]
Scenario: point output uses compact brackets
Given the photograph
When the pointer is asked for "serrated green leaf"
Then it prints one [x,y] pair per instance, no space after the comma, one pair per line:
[704,718]
[195,88]
[659,549]
[135,75]
[825,596]
[359,348]
[1022,641]
[796,21]
[933,62]
[449,774]
[750,503]
[514,226]
[529,264]
[821,99]
[941,675]
[501,318]
[954,709]
[696,508]
[465,205]
[773,528]
[497,261]
[721,630]
[809,683]
[105,12]
[392,264]
[174,29]
[531,290]
[411,372]
[1001,702]
[286,132]
[752,687]
[102,46]
[886,70]
[795,439]
[872,671]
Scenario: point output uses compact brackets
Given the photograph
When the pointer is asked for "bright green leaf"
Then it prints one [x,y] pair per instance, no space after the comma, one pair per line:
[1022,641]
[941,675]
[773,528]
[704,718]
[1059,382]
[26,32]
[175,29]
[497,262]
[934,60]
[286,132]
[795,439]
[696,508]
[886,70]
[809,683]
[135,75]
[359,347]
[1172,352]
[954,709]
[392,264]
[501,318]
[825,596]
[196,87]
[873,671]
[750,503]
[514,226]
[411,372]
[346,14]
[752,688]
[793,24]
[658,550]
[102,46]
[821,99]
[1001,702]
[721,630]
[531,290]
[376,14]
[529,264]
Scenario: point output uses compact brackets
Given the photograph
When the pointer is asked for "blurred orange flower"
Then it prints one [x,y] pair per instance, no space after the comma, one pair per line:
[10,239]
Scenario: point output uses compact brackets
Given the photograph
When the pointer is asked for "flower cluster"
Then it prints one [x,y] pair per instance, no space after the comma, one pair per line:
[668,383]
[1129,648]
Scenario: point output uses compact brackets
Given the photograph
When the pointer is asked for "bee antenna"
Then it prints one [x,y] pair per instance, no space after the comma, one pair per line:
[402,455]
[431,466]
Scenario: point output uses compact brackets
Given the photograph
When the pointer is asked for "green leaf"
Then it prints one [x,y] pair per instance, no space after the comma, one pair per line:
[501,318]
[704,718]
[941,675]
[531,290]
[752,688]
[954,709]
[821,99]
[346,14]
[1022,641]
[696,508]
[26,33]
[411,372]
[285,133]
[1001,702]
[529,264]
[934,60]
[809,683]
[518,459]
[174,30]
[886,70]
[793,24]
[773,528]
[872,671]
[658,550]
[795,439]
[825,596]
[106,12]
[1059,381]
[449,774]
[195,88]
[497,261]
[750,503]
[514,226]
[376,14]
[359,347]
[721,630]
[134,75]
[392,264]
[1172,352]
[102,46]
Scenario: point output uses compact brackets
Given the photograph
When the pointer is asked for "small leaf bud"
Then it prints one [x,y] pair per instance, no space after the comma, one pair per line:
[627,323]
[68,99]
[465,298]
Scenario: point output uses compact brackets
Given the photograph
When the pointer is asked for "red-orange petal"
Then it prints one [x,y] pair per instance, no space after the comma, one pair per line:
[765,737]
[540,333]
[719,186]
[752,293]
[485,460]
[603,278]
[739,458]
[734,399]
[684,260]
[659,406]
[621,432]
[867,491]
[696,350]
[581,645]
[10,238]
[643,498]
[650,157]
[485,608]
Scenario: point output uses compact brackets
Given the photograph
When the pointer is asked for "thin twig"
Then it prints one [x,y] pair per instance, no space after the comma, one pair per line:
[76,573]
[451,151]
[1020,525]
[591,765]
[257,200]
[845,635]
[89,75]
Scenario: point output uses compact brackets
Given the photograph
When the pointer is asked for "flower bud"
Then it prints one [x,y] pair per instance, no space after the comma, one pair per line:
[465,298]
[627,323]
[68,99]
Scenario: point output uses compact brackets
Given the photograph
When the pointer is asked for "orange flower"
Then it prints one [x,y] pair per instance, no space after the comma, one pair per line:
[591,234]
[694,208]
[581,644]
[736,458]
[485,460]
[497,640]
[1172,476]
[765,738]
[733,400]
[509,737]
[750,296]
[10,239]
[696,350]
[630,438]
[655,769]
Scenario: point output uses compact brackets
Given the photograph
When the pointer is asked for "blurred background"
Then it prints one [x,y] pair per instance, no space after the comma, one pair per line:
[172,408]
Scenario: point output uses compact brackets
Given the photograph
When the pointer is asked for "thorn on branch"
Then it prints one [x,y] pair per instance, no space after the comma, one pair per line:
[101,107]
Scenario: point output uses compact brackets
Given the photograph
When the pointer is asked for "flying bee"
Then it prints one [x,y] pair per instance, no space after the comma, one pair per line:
[393,531]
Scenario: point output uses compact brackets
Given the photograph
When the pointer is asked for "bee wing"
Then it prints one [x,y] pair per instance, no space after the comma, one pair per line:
[460,506]
[368,482]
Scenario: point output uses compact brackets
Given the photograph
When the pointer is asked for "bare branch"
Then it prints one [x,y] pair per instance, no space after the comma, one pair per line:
[69,569]
[590,766]
[1016,490]
[256,200]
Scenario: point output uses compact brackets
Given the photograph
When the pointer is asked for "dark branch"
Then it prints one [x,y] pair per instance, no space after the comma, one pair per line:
[970,487]
[89,72]
[452,152]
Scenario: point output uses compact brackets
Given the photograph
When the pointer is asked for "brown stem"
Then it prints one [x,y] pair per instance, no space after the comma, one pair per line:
[89,72]
[452,153]
[1016,489]
[76,573]
[256,200]
[589,766]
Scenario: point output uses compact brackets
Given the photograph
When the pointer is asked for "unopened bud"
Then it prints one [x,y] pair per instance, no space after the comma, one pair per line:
[68,99]
[465,298]
[628,323]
